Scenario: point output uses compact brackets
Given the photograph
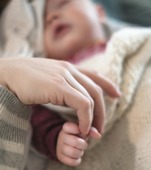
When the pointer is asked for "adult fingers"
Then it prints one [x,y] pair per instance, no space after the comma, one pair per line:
[96,93]
[78,86]
[76,100]
[103,82]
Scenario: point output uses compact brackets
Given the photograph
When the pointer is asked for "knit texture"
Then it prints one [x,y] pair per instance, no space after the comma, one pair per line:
[19,37]
[127,144]
[122,63]
[14,131]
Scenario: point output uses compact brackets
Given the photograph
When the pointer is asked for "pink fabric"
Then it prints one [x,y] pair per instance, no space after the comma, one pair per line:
[87,53]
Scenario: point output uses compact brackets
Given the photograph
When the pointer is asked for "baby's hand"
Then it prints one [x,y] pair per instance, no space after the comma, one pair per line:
[70,147]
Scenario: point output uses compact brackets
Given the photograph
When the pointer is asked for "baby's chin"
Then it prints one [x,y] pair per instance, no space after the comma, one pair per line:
[67,49]
[64,54]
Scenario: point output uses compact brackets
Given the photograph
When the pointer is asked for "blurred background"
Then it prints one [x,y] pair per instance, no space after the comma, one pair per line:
[3,3]
[132,11]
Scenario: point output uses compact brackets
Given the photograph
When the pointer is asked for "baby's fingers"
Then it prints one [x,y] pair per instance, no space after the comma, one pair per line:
[72,152]
[71,156]
[70,161]
[75,142]
[72,136]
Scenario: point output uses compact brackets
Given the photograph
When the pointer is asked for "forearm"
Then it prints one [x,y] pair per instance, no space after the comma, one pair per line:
[14,131]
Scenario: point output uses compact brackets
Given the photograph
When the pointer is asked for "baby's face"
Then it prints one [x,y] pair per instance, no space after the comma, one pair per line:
[70,25]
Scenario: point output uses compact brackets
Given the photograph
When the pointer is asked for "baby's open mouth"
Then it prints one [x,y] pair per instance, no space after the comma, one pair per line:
[61,30]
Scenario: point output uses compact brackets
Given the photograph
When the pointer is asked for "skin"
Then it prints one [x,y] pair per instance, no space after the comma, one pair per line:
[68,28]
[41,81]
[83,28]
[71,144]
[70,147]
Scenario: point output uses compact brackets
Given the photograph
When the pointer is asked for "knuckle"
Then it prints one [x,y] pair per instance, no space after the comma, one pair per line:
[64,72]
[67,150]
[99,90]
[73,152]
[76,142]
[79,143]
[60,81]
[86,104]
[76,153]
[92,103]
[66,65]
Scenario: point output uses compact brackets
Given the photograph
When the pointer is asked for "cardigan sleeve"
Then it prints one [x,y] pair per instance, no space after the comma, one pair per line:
[15,131]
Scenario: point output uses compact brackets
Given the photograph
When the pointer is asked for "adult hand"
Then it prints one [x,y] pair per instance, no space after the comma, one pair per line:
[41,81]
[95,82]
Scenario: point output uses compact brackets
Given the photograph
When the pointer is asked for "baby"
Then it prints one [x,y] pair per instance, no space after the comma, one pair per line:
[70,27]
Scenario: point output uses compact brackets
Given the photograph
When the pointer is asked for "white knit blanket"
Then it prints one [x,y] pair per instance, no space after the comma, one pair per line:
[126,58]
[128,145]
[124,62]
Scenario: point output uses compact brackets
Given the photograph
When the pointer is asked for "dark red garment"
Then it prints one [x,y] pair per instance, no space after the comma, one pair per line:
[46,126]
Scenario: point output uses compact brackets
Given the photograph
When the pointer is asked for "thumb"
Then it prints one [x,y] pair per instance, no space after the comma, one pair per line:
[93,133]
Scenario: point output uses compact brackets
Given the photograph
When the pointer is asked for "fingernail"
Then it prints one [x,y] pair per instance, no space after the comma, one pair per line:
[97,132]
[85,132]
